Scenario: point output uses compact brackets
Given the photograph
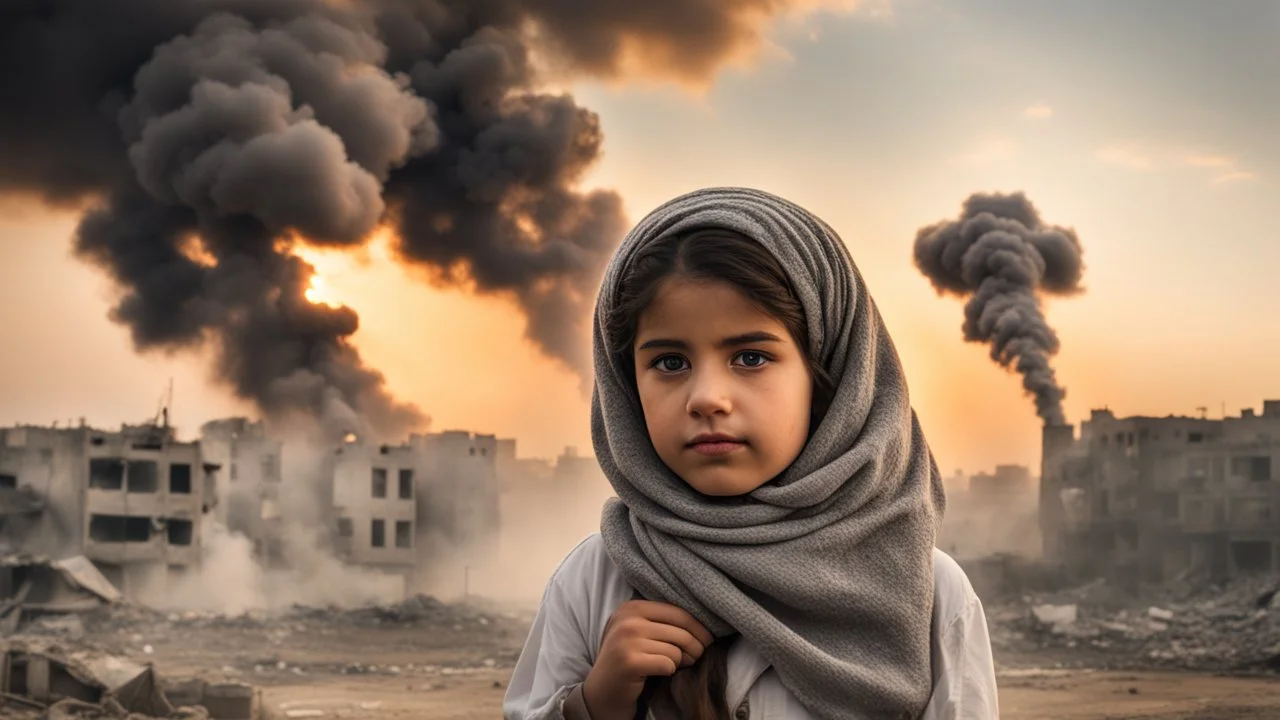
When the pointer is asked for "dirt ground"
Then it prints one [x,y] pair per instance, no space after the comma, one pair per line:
[1078,696]
[395,670]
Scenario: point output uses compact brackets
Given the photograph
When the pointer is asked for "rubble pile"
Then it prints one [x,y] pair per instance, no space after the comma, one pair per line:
[44,679]
[1225,628]
[417,610]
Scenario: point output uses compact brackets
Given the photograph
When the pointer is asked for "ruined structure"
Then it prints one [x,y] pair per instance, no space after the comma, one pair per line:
[249,483]
[992,514]
[402,508]
[459,494]
[132,501]
[1155,499]
[374,505]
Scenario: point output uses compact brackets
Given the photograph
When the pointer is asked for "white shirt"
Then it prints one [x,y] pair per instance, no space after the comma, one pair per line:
[586,589]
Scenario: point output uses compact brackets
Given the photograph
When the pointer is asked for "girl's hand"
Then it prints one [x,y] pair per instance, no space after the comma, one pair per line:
[641,639]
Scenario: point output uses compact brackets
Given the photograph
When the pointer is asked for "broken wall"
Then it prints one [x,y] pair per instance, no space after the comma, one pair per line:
[374,503]
[143,500]
[248,482]
[45,462]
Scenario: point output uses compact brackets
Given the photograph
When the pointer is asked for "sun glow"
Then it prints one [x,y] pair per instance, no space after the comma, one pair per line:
[319,292]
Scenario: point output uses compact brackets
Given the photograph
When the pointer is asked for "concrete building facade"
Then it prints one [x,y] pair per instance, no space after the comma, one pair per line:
[249,482]
[992,514]
[458,493]
[132,501]
[374,505]
[1160,498]
[415,508]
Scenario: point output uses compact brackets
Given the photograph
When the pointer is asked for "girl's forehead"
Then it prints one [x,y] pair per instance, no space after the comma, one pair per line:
[702,307]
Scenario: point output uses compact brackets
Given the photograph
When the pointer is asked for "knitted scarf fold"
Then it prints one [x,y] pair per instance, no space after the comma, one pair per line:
[827,569]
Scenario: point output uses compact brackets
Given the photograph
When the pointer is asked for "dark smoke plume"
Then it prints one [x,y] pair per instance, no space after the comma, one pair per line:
[211,136]
[1001,257]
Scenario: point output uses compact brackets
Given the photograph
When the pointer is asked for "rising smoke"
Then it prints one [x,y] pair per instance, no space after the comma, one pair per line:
[207,138]
[1001,257]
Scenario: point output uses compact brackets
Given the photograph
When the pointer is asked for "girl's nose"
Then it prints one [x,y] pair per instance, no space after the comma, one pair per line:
[709,395]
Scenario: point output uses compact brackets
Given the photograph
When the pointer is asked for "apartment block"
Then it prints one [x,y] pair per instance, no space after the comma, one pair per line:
[132,501]
[1161,498]
[374,505]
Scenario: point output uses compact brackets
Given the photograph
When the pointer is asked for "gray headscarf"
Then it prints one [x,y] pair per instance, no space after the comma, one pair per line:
[827,569]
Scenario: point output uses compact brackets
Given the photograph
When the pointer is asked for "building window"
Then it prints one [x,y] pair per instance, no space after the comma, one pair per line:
[344,528]
[235,472]
[379,482]
[404,534]
[9,481]
[1252,512]
[180,532]
[106,474]
[119,528]
[378,534]
[406,484]
[1253,469]
[269,468]
[180,479]
[143,476]
[1195,437]
[1251,556]
[473,452]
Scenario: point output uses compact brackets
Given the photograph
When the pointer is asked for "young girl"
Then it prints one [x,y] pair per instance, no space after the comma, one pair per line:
[770,554]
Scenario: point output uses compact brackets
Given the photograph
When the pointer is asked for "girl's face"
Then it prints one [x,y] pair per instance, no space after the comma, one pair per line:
[725,390]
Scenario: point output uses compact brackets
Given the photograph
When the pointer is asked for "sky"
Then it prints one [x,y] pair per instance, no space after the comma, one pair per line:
[1147,126]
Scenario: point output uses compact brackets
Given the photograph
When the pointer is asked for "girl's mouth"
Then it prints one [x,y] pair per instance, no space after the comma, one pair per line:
[715,444]
[717,448]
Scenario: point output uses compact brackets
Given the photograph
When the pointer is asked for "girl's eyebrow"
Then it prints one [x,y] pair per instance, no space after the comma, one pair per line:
[733,341]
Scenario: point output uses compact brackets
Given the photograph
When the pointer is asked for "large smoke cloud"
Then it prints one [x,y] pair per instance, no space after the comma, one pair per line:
[210,136]
[1001,256]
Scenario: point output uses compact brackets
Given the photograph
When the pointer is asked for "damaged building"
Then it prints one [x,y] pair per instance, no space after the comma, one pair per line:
[374,506]
[248,484]
[991,514]
[396,506]
[458,494]
[1162,498]
[131,501]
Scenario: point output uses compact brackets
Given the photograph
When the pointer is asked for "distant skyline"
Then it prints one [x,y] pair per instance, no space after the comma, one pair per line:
[1147,126]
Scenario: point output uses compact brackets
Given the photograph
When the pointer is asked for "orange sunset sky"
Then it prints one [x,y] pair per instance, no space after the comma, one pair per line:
[1149,127]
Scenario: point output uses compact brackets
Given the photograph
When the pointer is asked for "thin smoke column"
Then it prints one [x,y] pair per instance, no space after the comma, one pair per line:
[1001,257]
[204,139]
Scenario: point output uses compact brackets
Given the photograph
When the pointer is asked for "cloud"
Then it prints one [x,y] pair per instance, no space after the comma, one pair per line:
[670,40]
[991,151]
[1129,155]
[1140,156]
[1234,176]
[1039,111]
[1208,161]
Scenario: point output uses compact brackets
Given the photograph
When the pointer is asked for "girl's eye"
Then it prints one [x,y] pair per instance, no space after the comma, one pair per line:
[752,359]
[669,363]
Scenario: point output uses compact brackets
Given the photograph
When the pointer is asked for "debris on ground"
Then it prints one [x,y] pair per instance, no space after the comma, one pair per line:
[46,680]
[417,610]
[1231,627]
[35,588]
